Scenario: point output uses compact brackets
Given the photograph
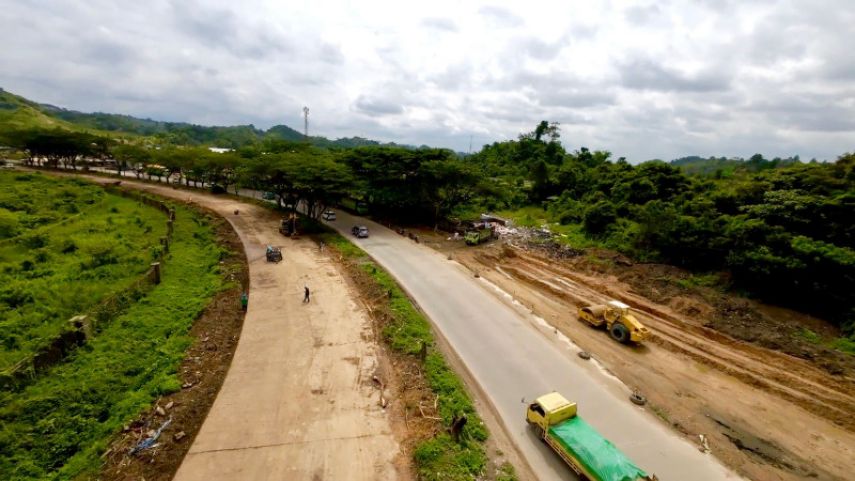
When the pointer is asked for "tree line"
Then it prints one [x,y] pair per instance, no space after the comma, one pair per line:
[781,229]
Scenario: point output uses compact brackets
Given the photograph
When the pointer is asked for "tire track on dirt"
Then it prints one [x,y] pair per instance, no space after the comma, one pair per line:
[784,376]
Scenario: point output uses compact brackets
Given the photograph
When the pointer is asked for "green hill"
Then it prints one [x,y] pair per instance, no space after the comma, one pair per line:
[18,113]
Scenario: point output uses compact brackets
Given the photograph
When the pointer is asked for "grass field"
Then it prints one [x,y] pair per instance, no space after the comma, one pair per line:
[57,426]
[64,246]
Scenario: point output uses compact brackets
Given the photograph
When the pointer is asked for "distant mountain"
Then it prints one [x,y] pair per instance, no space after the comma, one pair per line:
[19,113]
[724,167]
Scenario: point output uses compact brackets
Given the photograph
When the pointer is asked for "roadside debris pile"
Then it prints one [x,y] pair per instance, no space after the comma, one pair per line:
[537,239]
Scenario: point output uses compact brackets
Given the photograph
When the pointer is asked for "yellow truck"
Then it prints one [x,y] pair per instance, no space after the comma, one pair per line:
[589,454]
[618,320]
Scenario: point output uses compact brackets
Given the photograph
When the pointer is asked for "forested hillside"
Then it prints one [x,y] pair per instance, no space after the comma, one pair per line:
[18,113]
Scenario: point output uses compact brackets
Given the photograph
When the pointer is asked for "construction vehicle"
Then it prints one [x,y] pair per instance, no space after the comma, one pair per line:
[588,453]
[274,254]
[288,226]
[618,320]
[479,233]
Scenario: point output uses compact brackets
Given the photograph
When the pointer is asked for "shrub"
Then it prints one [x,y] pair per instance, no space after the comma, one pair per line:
[599,217]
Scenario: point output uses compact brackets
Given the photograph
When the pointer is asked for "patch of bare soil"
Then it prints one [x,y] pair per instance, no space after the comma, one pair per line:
[768,414]
[772,327]
[202,372]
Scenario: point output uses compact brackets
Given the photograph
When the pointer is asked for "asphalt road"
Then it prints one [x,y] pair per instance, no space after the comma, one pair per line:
[513,355]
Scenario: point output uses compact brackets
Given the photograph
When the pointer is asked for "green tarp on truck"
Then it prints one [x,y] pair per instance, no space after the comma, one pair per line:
[598,456]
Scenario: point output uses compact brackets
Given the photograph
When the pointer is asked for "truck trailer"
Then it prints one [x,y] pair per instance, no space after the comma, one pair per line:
[588,453]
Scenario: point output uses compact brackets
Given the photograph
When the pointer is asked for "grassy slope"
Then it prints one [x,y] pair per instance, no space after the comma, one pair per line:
[437,458]
[20,114]
[72,245]
[57,427]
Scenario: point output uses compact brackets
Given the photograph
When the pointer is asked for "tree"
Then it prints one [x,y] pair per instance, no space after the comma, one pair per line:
[131,157]
[450,183]
[599,217]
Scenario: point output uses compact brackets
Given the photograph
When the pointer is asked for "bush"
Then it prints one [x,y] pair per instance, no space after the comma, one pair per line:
[599,217]
[9,225]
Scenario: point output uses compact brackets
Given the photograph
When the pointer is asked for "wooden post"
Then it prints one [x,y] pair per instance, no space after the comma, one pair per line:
[169,227]
[164,241]
[172,214]
[155,271]
[423,351]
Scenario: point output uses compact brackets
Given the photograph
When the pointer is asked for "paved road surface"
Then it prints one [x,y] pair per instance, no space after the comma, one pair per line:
[298,401]
[512,355]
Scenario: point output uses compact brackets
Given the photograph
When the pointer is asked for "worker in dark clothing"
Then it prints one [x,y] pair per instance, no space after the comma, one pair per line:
[306,296]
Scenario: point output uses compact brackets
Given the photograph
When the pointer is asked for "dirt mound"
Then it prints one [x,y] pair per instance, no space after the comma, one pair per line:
[690,306]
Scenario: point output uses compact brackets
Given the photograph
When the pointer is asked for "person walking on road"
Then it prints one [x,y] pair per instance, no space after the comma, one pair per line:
[306,295]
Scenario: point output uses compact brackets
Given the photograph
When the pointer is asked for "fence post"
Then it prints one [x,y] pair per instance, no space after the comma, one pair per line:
[169,227]
[164,241]
[155,271]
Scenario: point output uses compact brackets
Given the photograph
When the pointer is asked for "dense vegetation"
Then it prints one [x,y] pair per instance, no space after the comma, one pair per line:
[64,246]
[57,426]
[719,167]
[781,229]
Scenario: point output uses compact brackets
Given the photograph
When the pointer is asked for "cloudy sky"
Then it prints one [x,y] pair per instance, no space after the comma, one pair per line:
[643,79]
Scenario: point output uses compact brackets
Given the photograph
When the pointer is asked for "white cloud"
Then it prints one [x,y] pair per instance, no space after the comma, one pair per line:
[640,78]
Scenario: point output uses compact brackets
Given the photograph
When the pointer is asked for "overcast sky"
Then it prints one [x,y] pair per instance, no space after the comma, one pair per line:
[643,79]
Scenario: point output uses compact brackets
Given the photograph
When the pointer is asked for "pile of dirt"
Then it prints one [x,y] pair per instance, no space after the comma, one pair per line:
[202,374]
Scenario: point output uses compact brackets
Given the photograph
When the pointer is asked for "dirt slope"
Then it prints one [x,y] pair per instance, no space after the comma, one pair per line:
[769,415]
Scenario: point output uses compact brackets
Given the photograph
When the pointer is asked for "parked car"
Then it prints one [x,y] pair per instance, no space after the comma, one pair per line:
[360,231]
[268,196]
[329,215]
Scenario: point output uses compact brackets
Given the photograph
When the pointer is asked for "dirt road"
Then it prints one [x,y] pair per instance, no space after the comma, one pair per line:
[298,401]
[514,355]
[770,415]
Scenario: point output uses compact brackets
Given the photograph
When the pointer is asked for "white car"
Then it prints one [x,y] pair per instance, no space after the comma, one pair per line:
[329,215]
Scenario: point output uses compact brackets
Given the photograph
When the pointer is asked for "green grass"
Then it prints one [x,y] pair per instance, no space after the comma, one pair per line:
[506,472]
[700,280]
[810,336]
[438,458]
[65,245]
[57,427]
[528,216]
[845,345]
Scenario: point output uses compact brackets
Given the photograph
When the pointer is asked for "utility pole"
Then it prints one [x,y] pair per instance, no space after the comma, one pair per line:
[306,123]
[470,145]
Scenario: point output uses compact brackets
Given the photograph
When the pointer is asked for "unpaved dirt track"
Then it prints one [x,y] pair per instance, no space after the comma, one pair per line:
[773,416]
[512,355]
[298,400]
